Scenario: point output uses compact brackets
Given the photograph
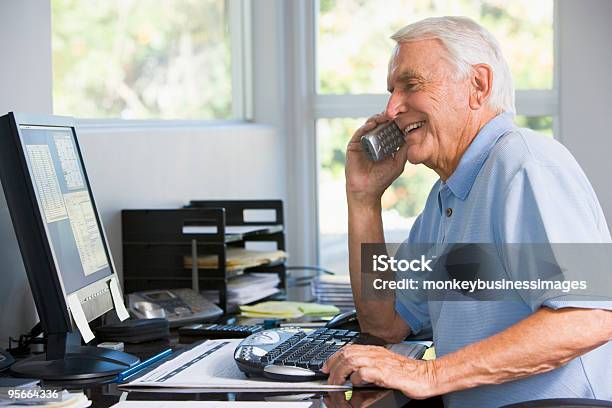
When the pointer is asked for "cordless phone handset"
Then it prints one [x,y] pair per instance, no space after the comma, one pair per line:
[382,141]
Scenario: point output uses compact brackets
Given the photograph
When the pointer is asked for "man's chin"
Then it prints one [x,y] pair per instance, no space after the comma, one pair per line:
[415,156]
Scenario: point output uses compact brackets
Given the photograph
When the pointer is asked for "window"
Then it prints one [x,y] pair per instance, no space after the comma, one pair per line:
[353,45]
[401,203]
[142,59]
[352,49]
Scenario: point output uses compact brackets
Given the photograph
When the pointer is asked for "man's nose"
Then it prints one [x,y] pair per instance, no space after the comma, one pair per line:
[395,106]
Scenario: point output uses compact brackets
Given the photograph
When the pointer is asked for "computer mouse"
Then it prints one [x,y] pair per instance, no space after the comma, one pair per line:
[346,321]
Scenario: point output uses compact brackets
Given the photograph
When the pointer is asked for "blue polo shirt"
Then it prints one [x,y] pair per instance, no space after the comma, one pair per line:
[512,185]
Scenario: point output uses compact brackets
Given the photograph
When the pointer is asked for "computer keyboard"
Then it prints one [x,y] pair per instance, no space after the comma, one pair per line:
[292,354]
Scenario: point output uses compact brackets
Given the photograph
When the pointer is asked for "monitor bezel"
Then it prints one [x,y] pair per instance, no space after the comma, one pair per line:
[88,292]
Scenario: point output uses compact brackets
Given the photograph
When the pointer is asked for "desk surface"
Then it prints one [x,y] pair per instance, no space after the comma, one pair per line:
[106,395]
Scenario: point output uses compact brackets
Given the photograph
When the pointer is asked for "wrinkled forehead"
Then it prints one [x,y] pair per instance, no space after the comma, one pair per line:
[419,58]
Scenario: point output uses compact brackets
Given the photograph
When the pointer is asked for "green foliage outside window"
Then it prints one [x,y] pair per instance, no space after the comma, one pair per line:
[353,45]
[353,50]
[141,59]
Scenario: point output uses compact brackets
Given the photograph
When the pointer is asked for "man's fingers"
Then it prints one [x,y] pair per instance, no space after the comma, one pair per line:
[329,363]
[349,360]
[343,353]
[356,379]
[401,157]
[341,372]
[365,376]
[337,365]
[365,128]
[370,124]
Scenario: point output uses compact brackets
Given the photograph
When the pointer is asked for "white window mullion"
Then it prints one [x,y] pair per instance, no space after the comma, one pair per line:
[537,102]
[242,58]
[528,103]
[349,106]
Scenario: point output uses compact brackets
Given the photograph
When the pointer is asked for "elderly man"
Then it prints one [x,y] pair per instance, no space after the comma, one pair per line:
[498,184]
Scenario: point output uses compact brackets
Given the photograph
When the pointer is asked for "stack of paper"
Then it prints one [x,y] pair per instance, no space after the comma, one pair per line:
[287,310]
[247,288]
[334,290]
[237,259]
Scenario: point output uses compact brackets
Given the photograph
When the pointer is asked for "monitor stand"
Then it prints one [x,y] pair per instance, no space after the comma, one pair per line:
[66,359]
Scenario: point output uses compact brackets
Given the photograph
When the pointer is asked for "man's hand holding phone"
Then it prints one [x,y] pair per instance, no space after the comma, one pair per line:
[367,180]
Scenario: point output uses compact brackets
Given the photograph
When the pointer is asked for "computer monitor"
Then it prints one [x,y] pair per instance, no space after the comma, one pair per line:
[63,245]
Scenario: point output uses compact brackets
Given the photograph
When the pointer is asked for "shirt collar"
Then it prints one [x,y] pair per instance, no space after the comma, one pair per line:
[461,181]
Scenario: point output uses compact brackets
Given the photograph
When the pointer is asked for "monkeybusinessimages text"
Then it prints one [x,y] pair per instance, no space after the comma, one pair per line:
[385,263]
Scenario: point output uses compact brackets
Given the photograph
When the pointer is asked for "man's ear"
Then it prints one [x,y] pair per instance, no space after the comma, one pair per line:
[481,83]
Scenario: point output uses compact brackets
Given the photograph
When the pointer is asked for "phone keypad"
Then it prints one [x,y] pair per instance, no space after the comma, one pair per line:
[382,141]
[391,138]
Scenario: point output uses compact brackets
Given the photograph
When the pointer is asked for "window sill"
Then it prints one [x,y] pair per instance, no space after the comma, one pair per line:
[122,125]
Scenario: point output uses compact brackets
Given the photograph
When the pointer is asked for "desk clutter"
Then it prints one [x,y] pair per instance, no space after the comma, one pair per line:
[287,310]
[286,358]
[210,366]
[134,331]
[33,395]
[246,288]
[228,238]
[238,259]
[335,290]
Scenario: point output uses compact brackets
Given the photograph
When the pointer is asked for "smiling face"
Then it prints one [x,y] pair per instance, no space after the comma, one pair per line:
[429,103]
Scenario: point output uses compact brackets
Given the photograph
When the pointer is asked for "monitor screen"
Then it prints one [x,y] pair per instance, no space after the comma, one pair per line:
[65,203]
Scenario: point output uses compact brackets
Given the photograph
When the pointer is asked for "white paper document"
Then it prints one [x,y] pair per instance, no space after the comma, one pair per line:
[120,309]
[211,366]
[79,317]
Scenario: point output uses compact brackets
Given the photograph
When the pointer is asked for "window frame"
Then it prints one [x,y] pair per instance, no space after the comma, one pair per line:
[541,102]
[241,47]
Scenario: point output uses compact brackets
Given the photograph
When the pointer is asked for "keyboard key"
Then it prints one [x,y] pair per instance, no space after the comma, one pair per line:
[316,364]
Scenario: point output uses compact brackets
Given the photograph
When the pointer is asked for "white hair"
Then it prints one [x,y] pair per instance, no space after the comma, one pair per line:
[467,44]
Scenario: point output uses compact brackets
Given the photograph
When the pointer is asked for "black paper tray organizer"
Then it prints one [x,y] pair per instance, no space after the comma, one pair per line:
[159,244]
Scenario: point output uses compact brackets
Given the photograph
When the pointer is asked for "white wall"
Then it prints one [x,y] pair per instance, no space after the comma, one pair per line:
[25,84]
[586,90]
[25,46]
[278,102]
[165,167]
[129,167]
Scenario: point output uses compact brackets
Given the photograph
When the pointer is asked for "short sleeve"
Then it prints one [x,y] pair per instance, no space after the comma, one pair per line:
[553,214]
[414,313]
[551,204]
